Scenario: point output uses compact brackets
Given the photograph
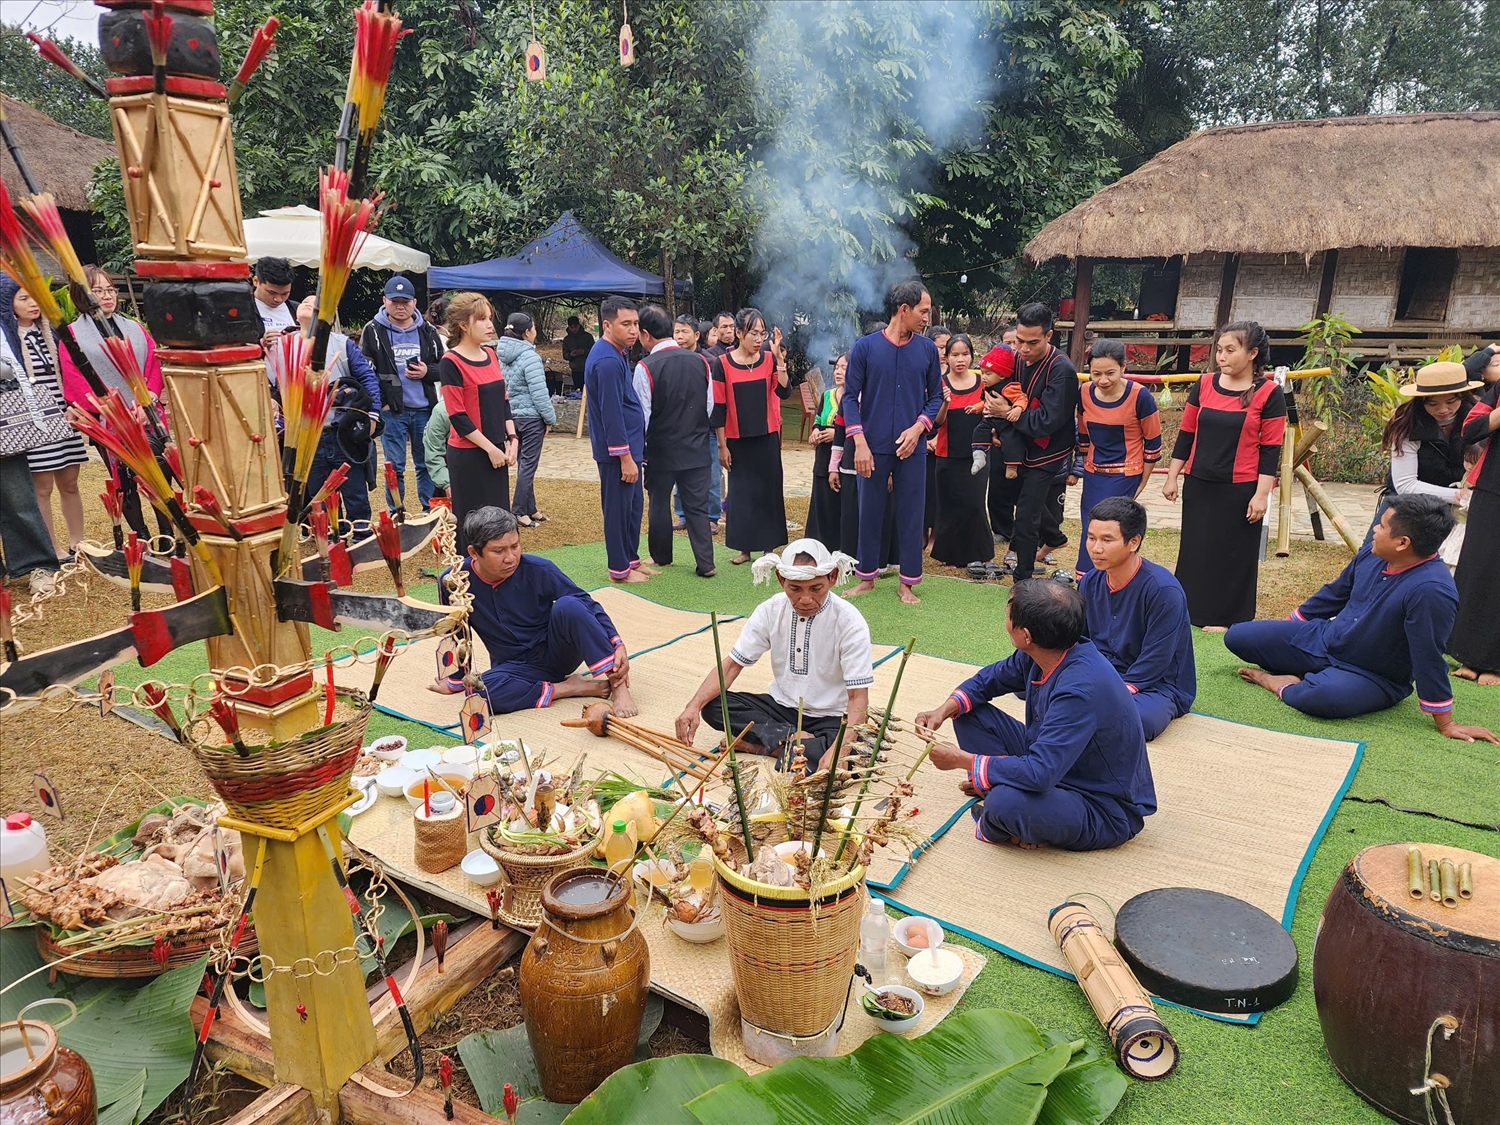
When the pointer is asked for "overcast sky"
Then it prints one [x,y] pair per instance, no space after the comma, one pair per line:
[58,18]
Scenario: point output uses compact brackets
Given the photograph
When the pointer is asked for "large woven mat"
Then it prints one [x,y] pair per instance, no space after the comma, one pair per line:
[403,693]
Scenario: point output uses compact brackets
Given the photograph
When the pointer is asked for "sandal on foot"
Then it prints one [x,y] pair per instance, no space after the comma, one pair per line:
[739,560]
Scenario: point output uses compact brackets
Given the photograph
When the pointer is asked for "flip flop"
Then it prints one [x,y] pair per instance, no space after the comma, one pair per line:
[524,521]
[978,571]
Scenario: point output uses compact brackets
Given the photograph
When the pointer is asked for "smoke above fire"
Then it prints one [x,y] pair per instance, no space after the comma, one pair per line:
[864,97]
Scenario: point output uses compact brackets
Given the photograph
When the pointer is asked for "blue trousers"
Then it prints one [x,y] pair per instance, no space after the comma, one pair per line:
[715,482]
[908,493]
[623,506]
[354,493]
[1097,487]
[1058,817]
[574,637]
[409,424]
[1156,711]
[24,543]
[1327,690]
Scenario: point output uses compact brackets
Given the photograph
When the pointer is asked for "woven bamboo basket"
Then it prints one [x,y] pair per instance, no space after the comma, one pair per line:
[440,840]
[792,959]
[135,961]
[526,875]
[285,784]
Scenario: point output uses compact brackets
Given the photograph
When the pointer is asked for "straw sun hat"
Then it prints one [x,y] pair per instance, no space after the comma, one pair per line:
[1440,379]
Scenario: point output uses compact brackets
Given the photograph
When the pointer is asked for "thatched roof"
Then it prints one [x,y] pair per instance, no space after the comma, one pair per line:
[1297,187]
[61,158]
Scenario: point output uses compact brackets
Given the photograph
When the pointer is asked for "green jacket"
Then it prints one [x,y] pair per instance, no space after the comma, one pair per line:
[435,443]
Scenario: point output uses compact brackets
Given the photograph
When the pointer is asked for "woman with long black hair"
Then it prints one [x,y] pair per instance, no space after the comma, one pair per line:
[823,510]
[961,531]
[749,382]
[1229,447]
[1425,440]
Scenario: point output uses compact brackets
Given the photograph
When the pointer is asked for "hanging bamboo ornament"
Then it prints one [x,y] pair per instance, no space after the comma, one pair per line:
[536,62]
[627,38]
[1146,1048]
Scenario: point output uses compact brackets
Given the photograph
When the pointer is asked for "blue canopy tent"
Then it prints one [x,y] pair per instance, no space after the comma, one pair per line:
[566,261]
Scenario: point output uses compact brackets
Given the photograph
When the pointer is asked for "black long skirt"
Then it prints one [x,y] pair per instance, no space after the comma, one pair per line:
[474,483]
[1218,562]
[1476,632]
[824,511]
[757,498]
[962,531]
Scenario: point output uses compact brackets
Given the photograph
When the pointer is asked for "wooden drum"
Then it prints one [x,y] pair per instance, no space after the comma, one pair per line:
[1395,970]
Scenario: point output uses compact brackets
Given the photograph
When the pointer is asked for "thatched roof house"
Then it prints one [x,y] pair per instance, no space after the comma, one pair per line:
[62,159]
[1392,221]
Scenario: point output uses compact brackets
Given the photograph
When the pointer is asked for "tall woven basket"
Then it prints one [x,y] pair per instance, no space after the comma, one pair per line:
[285,784]
[526,875]
[792,964]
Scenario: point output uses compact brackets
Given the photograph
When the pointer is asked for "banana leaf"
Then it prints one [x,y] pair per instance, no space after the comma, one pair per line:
[984,1067]
[653,1092]
[120,1030]
[1086,1092]
[124,1110]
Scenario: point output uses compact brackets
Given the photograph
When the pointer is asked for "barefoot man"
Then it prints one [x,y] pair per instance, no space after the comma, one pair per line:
[1358,644]
[537,624]
[820,655]
[1075,774]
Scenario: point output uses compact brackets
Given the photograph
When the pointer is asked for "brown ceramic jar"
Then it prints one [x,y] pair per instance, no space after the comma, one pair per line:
[584,979]
[50,1086]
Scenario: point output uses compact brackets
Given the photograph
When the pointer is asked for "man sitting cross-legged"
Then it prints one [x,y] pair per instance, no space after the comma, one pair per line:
[1138,616]
[1358,643]
[820,656]
[1075,774]
[537,624]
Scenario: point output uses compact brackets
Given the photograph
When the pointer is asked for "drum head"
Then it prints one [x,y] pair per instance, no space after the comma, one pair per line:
[1207,950]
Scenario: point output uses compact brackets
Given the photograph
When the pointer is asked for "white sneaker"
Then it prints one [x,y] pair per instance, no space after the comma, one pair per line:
[42,581]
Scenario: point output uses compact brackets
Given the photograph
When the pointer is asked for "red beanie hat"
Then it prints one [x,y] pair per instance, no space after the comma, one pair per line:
[1000,360]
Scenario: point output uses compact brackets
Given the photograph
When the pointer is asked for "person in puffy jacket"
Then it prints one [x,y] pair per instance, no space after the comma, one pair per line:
[530,406]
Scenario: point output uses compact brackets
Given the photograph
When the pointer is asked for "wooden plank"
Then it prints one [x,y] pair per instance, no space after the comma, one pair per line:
[1325,284]
[423,1106]
[284,1104]
[233,1044]
[1082,287]
[1226,289]
[470,961]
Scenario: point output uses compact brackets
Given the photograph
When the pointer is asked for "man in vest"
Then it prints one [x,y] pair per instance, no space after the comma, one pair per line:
[673,386]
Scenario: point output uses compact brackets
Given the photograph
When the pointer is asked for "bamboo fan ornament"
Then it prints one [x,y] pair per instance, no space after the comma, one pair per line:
[627,38]
[475,717]
[536,54]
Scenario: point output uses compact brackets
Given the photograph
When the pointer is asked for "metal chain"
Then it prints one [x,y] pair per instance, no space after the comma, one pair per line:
[73,570]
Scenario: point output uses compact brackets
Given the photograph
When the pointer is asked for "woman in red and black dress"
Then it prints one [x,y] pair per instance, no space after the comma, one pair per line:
[1229,445]
[749,383]
[482,440]
[961,533]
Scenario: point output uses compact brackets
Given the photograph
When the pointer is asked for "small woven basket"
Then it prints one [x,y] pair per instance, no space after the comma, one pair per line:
[285,784]
[526,875]
[441,840]
[791,962]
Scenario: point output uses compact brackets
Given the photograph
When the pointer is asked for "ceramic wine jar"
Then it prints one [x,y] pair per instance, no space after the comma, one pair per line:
[45,1085]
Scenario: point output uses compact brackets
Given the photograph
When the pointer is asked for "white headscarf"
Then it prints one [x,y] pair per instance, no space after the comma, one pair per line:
[835,563]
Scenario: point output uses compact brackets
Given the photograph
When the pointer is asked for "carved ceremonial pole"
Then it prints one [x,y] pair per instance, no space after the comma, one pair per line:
[171,125]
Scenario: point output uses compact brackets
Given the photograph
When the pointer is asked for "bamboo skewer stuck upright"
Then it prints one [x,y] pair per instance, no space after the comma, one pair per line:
[679,756]
[734,767]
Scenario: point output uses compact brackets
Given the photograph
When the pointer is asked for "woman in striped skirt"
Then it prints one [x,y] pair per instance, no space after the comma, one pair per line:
[54,467]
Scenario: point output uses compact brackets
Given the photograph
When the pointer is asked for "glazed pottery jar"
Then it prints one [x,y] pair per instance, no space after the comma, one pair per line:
[41,1081]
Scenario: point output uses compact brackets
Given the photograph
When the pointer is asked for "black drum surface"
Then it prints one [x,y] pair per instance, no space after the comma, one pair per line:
[1207,950]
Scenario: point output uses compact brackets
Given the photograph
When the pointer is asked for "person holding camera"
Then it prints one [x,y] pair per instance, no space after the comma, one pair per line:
[353,422]
[404,350]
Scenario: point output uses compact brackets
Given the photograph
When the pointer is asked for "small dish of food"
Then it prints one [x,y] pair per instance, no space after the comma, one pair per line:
[893,1007]
[388,748]
[935,971]
[916,933]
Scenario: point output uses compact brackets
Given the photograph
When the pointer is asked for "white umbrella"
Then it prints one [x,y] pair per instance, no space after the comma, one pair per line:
[295,233]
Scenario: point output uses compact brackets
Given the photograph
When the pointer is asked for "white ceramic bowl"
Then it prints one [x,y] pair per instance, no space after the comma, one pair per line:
[785,851]
[901,929]
[699,933]
[393,780]
[642,871]
[388,749]
[940,980]
[421,759]
[480,867]
[368,795]
[471,756]
[898,1025]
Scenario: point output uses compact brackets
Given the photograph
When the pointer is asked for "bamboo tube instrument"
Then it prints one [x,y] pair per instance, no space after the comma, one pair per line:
[679,756]
[1146,1048]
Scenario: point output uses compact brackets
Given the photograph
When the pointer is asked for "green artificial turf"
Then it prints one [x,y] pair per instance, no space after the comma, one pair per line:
[1275,1072]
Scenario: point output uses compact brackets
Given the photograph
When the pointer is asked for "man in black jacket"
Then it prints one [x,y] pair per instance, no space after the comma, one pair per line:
[672,384]
[1046,421]
[404,350]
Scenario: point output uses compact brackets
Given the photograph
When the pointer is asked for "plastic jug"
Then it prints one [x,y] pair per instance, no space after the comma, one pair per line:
[23,850]
[619,846]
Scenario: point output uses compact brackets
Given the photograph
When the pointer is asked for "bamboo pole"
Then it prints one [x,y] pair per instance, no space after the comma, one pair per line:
[1311,434]
[1284,510]
[1340,524]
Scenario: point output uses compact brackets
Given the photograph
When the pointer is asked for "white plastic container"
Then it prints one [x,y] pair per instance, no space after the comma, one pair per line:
[23,850]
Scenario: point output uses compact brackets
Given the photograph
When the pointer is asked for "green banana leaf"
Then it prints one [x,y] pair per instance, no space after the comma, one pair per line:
[985,1067]
[1086,1092]
[654,1092]
[120,1030]
[124,1110]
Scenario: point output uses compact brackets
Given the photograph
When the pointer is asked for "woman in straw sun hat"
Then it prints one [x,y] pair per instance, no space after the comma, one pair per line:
[1424,437]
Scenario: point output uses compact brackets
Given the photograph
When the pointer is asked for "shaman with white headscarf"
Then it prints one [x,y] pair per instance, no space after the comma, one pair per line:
[820,656]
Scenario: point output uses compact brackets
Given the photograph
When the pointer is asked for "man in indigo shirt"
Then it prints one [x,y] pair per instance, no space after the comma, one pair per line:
[617,435]
[1075,774]
[892,393]
[1358,644]
[1138,616]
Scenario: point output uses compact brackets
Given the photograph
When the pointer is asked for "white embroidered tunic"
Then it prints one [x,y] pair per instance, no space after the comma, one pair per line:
[817,659]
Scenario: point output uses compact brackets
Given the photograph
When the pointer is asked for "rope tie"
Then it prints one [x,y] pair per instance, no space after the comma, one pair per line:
[1436,1082]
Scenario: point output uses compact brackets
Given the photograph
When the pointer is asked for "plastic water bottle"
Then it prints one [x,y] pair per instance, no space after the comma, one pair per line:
[23,850]
[874,938]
